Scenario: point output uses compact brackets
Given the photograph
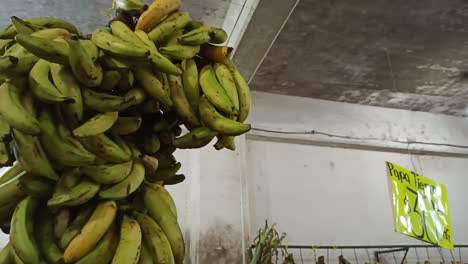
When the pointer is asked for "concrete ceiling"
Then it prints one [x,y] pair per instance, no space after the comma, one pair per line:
[406,54]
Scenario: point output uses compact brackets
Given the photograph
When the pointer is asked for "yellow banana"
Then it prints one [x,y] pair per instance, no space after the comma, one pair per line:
[165,196]
[127,125]
[181,103]
[108,174]
[41,86]
[214,91]
[87,72]
[128,250]
[45,237]
[176,21]
[191,83]
[13,111]
[97,225]
[106,41]
[25,60]
[75,227]
[103,102]
[155,239]
[98,124]
[22,231]
[160,212]
[52,23]
[46,49]
[66,83]
[214,53]
[197,138]
[243,91]
[217,122]
[155,12]
[128,185]
[152,85]
[104,250]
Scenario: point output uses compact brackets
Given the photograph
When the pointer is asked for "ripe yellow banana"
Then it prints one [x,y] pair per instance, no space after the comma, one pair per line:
[243,91]
[103,102]
[75,227]
[217,122]
[13,111]
[30,153]
[42,87]
[66,83]
[48,22]
[197,138]
[181,103]
[98,124]
[155,239]
[87,72]
[104,250]
[155,12]
[128,185]
[127,125]
[168,26]
[97,225]
[191,83]
[109,173]
[128,250]
[22,231]
[46,49]
[214,53]
[214,91]
[160,212]
[152,85]
[106,41]
[45,237]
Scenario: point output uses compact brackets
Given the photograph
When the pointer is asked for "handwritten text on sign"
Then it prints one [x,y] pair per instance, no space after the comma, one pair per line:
[420,207]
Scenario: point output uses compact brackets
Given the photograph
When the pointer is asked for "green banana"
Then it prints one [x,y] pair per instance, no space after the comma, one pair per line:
[165,196]
[152,85]
[138,93]
[243,91]
[46,49]
[128,185]
[24,27]
[145,255]
[41,86]
[90,48]
[59,149]
[110,80]
[165,81]
[122,31]
[155,239]
[75,227]
[103,102]
[225,142]
[218,35]
[45,238]
[167,123]
[108,174]
[47,22]
[61,221]
[86,71]
[134,7]
[127,80]
[190,82]
[160,212]
[38,187]
[22,231]
[25,60]
[165,160]
[194,25]
[12,110]
[225,78]
[6,157]
[151,143]
[66,83]
[150,163]
[217,122]
[9,189]
[76,195]
[181,103]
[98,124]
[176,179]
[95,229]
[30,153]
[128,250]
[106,41]
[115,63]
[6,255]
[5,44]
[180,52]
[7,62]
[103,147]
[104,250]
[127,125]
[150,106]
[197,138]
[173,22]
[214,91]
[197,36]
[162,174]
[166,137]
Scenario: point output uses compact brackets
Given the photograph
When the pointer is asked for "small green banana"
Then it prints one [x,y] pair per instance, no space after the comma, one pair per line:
[45,237]
[214,91]
[176,179]
[134,7]
[87,72]
[110,80]
[151,143]
[24,27]
[108,174]
[191,83]
[98,124]
[162,174]
[47,22]
[106,41]
[128,185]
[165,160]
[243,91]
[127,125]
[152,85]
[46,49]
[103,102]
[173,22]
[197,138]
[42,87]
[181,103]
[103,147]
[217,122]
[197,36]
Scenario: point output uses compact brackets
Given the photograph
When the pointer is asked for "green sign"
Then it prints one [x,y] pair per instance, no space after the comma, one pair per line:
[420,207]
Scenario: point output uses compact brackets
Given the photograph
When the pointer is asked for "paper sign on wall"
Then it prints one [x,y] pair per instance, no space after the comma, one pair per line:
[420,207]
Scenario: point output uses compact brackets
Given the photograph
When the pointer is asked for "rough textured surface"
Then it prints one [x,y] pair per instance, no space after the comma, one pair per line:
[408,54]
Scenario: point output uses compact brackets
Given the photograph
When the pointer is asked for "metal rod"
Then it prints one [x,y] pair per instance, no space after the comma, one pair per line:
[369,247]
